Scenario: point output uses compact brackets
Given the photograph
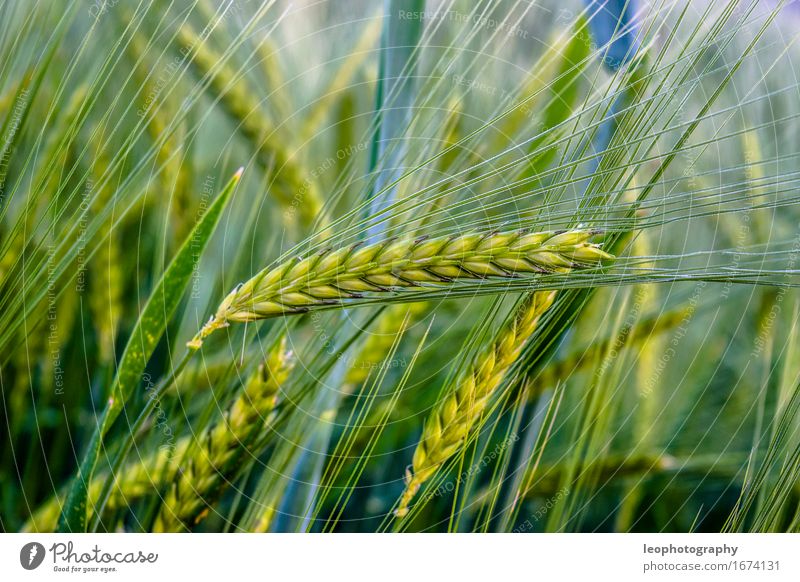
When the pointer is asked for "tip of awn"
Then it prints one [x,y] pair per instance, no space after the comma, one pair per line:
[238,173]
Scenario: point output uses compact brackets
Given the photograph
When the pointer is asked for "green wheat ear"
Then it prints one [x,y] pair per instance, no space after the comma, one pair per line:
[400,265]
[449,426]
[215,461]
[237,99]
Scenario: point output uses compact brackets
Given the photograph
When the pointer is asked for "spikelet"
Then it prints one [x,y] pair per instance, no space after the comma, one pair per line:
[235,96]
[334,276]
[216,459]
[141,477]
[54,150]
[379,342]
[28,356]
[295,191]
[59,332]
[44,180]
[448,428]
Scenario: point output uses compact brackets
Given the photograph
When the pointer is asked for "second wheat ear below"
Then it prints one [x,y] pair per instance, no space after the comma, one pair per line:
[216,458]
[448,428]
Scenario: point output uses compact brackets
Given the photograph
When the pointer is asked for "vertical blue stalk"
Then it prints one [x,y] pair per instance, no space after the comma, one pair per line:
[394,98]
[394,102]
[612,25]
[615,32]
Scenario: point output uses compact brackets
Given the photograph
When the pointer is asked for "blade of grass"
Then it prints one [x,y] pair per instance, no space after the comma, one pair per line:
[148,330]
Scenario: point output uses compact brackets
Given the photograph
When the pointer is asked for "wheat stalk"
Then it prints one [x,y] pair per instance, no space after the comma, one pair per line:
[333,276]
[447,429]
[222,445]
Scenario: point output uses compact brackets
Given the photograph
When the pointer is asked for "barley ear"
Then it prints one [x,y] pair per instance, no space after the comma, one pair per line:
[216,461]
[448,428]
[334,277]
[294,190]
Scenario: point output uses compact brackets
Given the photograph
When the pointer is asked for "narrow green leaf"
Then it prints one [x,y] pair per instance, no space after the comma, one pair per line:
[146,334]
